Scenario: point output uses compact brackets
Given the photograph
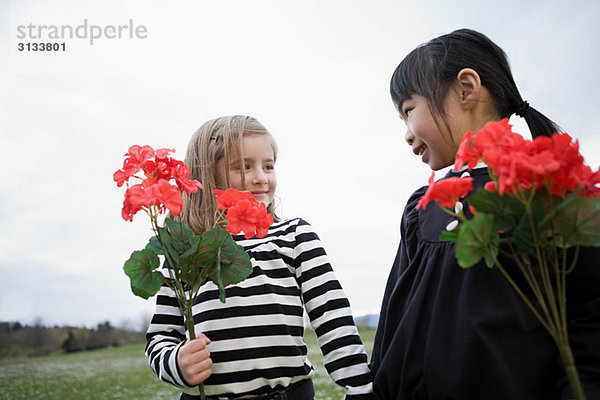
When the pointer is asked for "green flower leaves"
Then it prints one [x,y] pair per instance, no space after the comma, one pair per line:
[140,268]
[191,259]
[522,224]
[477,240]
[578,224]
[217,258]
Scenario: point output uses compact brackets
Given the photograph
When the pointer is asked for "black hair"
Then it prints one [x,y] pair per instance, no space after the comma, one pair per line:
[431,69]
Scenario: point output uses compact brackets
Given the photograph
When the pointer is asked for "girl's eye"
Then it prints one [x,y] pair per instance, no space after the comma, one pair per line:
[239,166]
[407,111]
[269,167]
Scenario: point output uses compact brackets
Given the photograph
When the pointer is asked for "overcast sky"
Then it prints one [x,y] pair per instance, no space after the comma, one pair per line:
[316,73]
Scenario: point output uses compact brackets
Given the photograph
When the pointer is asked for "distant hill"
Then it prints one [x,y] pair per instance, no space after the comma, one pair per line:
[367,321]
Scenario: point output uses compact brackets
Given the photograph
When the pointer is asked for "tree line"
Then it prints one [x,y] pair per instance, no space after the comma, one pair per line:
[38,340]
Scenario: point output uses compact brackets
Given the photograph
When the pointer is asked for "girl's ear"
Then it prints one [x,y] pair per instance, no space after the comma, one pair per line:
[469,87]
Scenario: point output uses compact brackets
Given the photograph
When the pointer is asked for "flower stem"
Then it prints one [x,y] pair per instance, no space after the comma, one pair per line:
[573,377]
[555,321]
[524,298]
[553,318]
[189,324]
[180,293]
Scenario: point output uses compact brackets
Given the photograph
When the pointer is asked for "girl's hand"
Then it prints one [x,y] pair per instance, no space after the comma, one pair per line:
[194,360]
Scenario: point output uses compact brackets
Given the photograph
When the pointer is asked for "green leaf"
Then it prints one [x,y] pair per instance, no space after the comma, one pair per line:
[182,237]
[191,266]
[578,223]
[219,282]
[154,245]
[550,214]
[235,262]
[506,209]
[476,238]
[489,260]
[217,258]
[166,246]
[176,240]
[449,236]
[140,268]
[522,236]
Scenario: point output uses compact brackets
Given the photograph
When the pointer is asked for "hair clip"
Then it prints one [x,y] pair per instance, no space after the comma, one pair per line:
[522,109]
[213,138]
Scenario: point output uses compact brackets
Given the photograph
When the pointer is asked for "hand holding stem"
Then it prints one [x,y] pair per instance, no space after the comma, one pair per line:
[194,360]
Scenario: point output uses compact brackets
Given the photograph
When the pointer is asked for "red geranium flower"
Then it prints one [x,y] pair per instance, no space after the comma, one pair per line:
[264,222]
[571,171]
[155,190]
[551,163]
[491,186]
[244,213]
[465,154]
[139,156]
[446,192]
[168,196]
[163,153]
[161,194]
[250,217]
[120,177]
[228,198]
[181,173]
[136,197]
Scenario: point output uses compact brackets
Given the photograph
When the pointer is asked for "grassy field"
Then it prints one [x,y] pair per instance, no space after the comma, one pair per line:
[118,373]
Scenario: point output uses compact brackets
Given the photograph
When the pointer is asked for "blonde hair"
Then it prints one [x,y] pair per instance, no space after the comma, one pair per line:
[215,140]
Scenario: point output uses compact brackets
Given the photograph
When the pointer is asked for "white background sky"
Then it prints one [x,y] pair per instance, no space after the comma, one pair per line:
[316,73]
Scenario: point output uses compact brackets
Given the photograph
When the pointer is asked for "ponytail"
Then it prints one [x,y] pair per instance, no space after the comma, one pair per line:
[538,123]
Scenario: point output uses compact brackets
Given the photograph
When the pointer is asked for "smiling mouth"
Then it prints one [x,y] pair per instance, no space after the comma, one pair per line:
[419,150]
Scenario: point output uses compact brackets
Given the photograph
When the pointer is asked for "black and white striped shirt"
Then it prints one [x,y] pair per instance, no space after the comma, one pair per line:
[257,335]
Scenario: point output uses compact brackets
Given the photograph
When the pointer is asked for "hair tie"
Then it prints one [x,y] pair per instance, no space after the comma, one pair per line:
[522,109]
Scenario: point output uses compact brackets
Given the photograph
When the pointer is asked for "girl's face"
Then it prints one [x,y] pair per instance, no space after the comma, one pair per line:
[259,169]
[435,148]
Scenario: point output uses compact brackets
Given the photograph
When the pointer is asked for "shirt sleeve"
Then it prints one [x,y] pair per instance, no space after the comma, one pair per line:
[330,315]
[165,335]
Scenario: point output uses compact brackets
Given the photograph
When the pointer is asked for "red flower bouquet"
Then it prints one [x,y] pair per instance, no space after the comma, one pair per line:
[542,200]
[190,260]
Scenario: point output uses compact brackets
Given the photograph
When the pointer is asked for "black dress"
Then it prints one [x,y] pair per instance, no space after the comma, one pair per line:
[451,333]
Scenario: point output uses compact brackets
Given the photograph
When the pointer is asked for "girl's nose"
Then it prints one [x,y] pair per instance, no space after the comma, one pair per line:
[408,136]
[259,176]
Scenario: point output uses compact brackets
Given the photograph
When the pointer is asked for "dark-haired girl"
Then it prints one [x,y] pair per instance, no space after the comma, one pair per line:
[452,333]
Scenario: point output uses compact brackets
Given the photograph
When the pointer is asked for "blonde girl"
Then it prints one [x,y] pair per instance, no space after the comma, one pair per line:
[252,346]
